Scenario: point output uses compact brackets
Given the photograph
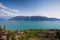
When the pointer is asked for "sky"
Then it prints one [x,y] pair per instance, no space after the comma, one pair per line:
[12,8]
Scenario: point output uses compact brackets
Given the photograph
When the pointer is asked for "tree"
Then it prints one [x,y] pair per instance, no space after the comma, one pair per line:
[4,27]
[0,27]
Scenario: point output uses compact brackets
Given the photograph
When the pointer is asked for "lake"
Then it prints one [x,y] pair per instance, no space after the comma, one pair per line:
[23,25]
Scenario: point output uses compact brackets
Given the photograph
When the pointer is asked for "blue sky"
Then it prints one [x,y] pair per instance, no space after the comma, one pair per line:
[12,8]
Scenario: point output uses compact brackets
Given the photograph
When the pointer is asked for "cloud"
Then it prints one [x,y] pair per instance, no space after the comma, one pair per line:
[2,6]
[8,12]
[14,10]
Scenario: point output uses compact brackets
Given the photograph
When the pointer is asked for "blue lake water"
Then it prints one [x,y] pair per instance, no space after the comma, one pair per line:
[22,25]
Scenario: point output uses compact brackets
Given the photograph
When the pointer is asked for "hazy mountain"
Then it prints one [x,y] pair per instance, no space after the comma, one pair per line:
[33,18]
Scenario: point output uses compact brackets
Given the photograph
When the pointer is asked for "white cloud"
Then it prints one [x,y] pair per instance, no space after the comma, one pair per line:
[14,10]
[2,6]
[8,12]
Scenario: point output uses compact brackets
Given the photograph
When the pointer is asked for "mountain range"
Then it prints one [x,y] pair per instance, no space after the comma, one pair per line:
[32,18]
